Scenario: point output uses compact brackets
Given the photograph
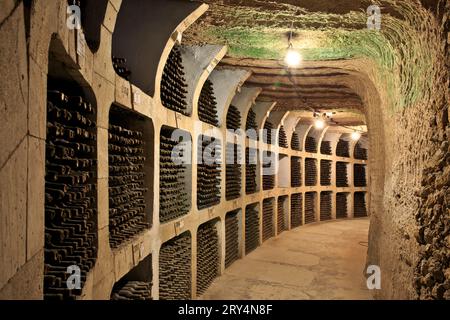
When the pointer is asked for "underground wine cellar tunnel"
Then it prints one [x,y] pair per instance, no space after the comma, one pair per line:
[176,149]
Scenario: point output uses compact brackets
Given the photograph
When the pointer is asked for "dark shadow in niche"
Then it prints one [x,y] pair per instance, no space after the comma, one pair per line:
[93,14]
[142,30]
[136,284]
[63,72]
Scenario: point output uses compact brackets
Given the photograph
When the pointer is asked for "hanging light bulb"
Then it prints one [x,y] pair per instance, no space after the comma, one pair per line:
[356,135]
[319,123]
[293,57]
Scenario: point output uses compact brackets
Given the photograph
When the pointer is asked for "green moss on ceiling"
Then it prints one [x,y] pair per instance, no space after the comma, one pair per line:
[400,51]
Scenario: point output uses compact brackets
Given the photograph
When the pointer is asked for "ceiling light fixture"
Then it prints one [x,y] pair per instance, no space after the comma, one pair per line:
[319,124]
[356,135]
[319,121]
[293,58]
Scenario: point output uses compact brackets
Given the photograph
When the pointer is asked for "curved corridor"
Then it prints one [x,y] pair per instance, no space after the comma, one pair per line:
[224,149]
[318,261]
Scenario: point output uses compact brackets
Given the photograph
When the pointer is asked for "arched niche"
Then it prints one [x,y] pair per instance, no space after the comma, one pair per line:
[332,136]
[346,137]
[262,110]
[302,130]
[290,122]
[361,148]
[146,32]
[199,62]
[314,135]
[277,119]
[227,86]
[244,100]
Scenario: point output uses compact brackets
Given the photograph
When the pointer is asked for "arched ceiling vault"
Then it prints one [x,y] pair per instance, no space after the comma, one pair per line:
[330,35]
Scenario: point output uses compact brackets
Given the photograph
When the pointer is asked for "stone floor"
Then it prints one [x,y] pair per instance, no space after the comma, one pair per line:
[319,261]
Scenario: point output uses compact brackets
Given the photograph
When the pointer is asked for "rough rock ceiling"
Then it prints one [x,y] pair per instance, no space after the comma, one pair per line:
[257,33]
[314,87]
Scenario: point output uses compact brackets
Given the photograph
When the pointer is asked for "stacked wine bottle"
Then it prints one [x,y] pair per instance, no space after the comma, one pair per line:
[251,126]
[325,205]
[173,199]
[341,174]
[268,171]
[325,172]
[268,230]
[295,142]
[281,220]
[233,118]
[231,238]
[359,203]
[343,149]
[360,152]
[282,138]
[70,192]
[310,207]
[208,172]
[173,83]
[207,105]
[120,66]
[310,172]
[175,269]
[267,133]
[233,171]
[127,215]
[296,210]
[296,172]
[250,170]
[132,290]
[251,228]
[341,205]
[207,256]
[310,144]
[325,148]
[359,175]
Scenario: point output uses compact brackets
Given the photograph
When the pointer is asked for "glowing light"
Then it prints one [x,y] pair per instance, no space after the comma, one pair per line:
[356,135]
[293,58]
[319,124]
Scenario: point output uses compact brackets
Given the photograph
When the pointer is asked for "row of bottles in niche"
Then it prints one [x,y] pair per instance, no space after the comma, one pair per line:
[173,198]
[208,172]
[208,259]
[231,237]
[251,227]
[296,210]
[233,171]
[268,228]
[207,105]
[251,158]
[173,83]
[70,192]
[325,205]
[128,183]
[282,222]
